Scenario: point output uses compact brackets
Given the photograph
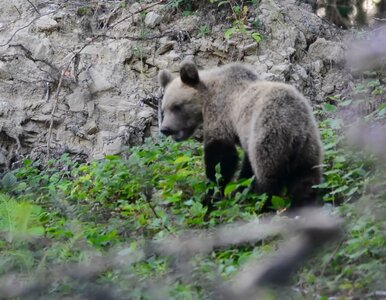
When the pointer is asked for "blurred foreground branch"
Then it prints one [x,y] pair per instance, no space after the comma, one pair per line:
[306,234]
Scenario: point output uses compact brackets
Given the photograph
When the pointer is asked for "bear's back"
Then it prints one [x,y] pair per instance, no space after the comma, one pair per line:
[230,75]
[267,95]
[265,105]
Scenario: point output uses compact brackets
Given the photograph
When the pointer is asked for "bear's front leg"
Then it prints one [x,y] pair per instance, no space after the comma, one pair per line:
[246,168]
[223,153]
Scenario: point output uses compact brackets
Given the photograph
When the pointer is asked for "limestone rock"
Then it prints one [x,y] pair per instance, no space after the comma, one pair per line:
[280,69]
[46,24]
[100,79]
[91,128]
[78,99]
[4,74]
[166,47]
[298,69]
[5,108]
[152,19]
[3,159]
[327,51]
[251,48]
[317,66]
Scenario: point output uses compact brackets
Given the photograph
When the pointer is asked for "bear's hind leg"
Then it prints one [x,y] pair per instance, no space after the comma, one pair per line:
[300,188]
[269,171]
[273,187]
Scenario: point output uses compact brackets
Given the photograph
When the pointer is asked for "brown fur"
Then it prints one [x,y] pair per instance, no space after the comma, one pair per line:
[271,121]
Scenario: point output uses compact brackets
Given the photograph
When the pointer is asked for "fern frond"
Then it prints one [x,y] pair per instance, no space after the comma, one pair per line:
[19,221]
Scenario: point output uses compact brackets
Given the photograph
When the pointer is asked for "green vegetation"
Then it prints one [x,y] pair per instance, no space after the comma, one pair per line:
[184,5]
[239,16]
[204,30]
[84,11]
[69,212]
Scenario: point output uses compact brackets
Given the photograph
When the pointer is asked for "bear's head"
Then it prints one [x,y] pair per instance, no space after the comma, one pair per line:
[182,102]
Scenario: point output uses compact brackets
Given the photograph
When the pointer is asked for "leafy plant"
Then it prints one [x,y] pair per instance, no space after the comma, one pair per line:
[8,182]
[180,4]
[19,221]
[355,264]
[84,11]
[239,19]
[204,30]
[345,170]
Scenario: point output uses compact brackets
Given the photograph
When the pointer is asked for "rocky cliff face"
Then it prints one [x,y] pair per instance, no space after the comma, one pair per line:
[82,78]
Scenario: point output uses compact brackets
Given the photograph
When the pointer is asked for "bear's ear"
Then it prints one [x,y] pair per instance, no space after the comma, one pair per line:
[189,74]
[164,78]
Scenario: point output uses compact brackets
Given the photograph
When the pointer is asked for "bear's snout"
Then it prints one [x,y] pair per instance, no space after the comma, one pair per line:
[167,131]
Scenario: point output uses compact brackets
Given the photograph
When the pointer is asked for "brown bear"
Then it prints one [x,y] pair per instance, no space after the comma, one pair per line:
[271,121]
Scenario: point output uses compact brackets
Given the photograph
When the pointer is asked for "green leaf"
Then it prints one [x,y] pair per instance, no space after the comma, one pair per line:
[197,209]
[256,36]
[381,112]
[231,187]
[352,191]
[329,107]
[340,158]
[19,220]
[373,83]
[27,162]
[181,160]
[112,157]
[278,202]
[336,123]
[218,172]
[189,202]
[340,190]
[222,3]
[345,103]
[329,145]
[237,9]
[321,185]
[228,33]
[334,97]
[246,182]
[8,181]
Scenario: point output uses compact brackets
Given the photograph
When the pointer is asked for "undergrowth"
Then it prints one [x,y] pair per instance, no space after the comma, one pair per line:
[68,212]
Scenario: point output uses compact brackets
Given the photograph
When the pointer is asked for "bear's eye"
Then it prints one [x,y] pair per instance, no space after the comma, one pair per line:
[176,107]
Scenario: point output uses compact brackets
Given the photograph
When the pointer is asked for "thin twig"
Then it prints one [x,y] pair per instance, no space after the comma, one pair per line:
[28,54]
[17,10]
[23,27]
[378,28]
[148,196]
[379,19]
[331,257]
[33,5]
[377,294]
[49,133]
[136,38]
